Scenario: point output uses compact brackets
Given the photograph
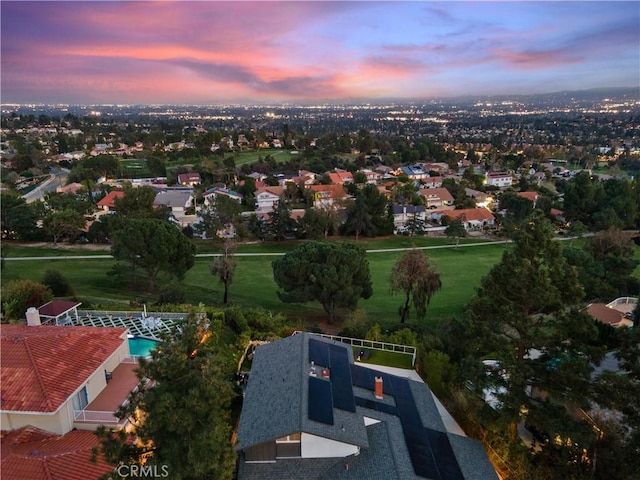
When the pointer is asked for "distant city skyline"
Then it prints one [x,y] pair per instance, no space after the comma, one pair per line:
[180,52]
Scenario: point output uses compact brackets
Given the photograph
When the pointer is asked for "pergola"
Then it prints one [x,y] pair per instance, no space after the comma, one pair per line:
[59,312]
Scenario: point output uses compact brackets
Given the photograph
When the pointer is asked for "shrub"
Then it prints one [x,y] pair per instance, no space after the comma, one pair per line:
[57,283]
[18,295]
[171,293]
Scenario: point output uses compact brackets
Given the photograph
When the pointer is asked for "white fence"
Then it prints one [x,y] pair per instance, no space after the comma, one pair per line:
[373,344]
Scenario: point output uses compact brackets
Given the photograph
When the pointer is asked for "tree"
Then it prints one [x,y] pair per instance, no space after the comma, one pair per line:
[224,266]
[369,215]
[181,409]
[336,275]
[18,219]
[155,246]
[280,225]
[415,225]
[18,295]
[137,202]
[413,276]
[221,211]
[456,229]
[606,264]
[526,314]
[63,224]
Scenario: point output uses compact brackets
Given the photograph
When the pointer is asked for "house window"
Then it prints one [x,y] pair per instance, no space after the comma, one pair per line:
[81,400]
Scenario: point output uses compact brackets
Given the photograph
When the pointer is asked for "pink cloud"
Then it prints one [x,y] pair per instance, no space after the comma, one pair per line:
[533,60]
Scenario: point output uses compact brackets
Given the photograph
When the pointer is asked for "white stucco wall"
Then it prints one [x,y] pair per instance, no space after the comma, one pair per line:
[313,446]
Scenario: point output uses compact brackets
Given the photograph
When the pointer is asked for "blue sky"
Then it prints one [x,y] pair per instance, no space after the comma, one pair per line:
[222,52]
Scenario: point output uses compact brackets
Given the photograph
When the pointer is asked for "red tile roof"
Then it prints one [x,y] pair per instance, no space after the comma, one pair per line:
[57,307]
[329,191]
[34,454]
[533,196]
[470,214]
[42,366]
[341,177]
[109,200]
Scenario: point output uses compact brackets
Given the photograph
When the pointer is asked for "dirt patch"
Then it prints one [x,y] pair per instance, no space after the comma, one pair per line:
[90,247]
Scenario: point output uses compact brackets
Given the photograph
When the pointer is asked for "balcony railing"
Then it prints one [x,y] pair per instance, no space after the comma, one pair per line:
[102,418]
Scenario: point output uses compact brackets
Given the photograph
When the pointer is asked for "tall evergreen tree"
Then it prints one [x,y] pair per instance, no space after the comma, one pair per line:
[180,414]
[526,315]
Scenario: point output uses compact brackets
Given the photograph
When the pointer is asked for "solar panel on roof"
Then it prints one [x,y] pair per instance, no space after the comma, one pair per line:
[443,453]
[377,406]
[320,403]
[319,352]
[341,379]
[362,376]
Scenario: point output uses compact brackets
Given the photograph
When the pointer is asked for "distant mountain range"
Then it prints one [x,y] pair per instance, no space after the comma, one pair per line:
[589,94]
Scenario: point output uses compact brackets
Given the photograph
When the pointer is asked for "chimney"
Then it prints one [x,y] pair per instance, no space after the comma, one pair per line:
[33,317]
[378,388]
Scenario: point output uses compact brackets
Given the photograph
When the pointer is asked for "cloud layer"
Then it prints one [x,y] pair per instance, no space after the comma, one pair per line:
[218,52]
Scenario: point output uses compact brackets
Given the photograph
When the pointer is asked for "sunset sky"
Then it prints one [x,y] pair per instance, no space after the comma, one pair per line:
[207,52]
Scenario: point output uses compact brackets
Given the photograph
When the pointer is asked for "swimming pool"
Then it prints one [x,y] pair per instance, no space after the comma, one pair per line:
[142,346]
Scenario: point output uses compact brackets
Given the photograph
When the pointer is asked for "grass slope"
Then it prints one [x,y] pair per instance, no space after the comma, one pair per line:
[461,271]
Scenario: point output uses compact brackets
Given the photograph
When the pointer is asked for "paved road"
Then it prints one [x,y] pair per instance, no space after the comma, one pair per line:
[57,179]
[264,254]
[271,254]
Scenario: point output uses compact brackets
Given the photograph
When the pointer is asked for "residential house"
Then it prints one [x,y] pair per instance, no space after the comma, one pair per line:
[178,199]
[60,378]
[341,177]
[432,182]
[189,179]
[107,204]
[440,167]
[372,176]
[482,199]
[72,188]
[267,197]
[211,193]
[499,179]
[34,454]
[403,213]
[435,198]
[472,218]
[242,142]
[326,195]
[414,172]
[531,196]
[310,411]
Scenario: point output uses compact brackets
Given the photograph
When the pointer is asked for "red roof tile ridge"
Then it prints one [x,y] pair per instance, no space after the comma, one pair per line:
[37,373]
[47,471]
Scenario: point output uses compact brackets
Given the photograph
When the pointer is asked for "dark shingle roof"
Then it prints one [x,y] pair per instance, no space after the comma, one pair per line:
[276,399]
[276,405]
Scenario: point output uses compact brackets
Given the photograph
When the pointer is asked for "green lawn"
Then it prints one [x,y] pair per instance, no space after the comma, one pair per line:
[389,359]
[134,168]
[242,158]
[461,270]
